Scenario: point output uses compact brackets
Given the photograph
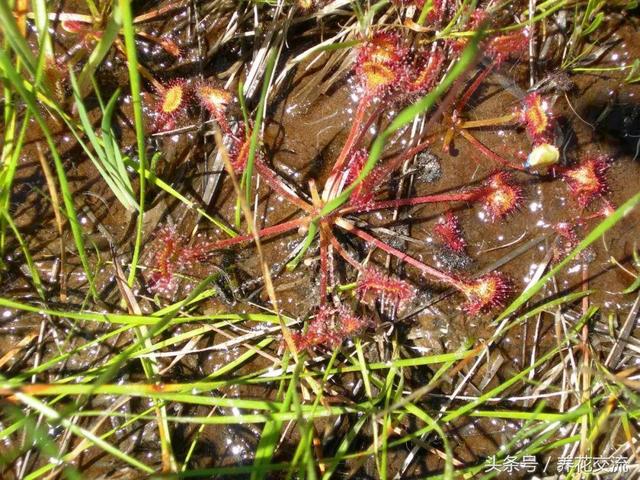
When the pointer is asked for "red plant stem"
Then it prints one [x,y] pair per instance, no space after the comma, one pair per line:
[324,266]
[157,12]
[378,110]
[388,168]
[403,257]
[332,273]
[448,138]
[405,202]
[474,86]
[353,133]
[489,122]
[392,164]
[206,247]
[487,152]
[276,184]
[222,123]
[344,254]
[333,184]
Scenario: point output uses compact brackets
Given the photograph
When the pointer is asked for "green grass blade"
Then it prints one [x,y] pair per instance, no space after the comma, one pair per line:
[42,26]
[35,276]
[112,151]
[108,163]
[157,182]
[269,438]
[136,99]
[109,35]
[16,80]
[11,33]
[36,434]
[594,235]
[55,418]
[257,126]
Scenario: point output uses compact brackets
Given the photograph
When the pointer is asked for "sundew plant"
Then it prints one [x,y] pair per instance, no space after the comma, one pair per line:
[286,239]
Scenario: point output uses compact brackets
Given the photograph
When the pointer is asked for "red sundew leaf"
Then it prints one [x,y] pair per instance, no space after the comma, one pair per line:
[165,262]
[606,210]
[501,196]
[437,12]
[404,3]
[537,118]
[329,327]
[377,78]
[88,35]
[364,193]
[477,17]
[380,286]
[171,103]
[169,45]
[239,150]
[487,292]
[349,323]
[508,46]
[587,180]
[74,26]
[567,231]
[425,72]
[300,341]
[355,164]
[172,257]
[566,241]
[380,63]
[214,99]
[450,232]
[383,48]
